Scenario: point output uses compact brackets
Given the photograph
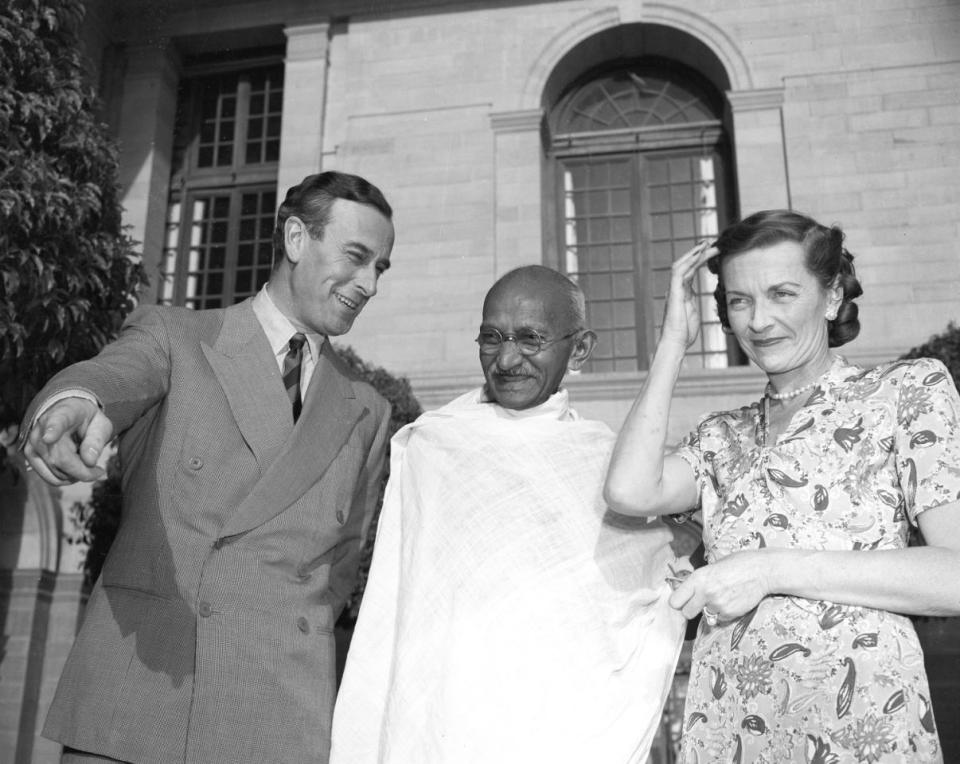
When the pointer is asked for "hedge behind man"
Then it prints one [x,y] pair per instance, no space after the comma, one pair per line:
[251,457]
[508,616]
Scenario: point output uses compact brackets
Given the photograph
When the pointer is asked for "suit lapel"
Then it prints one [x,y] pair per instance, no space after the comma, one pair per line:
[330,412]
[243,362]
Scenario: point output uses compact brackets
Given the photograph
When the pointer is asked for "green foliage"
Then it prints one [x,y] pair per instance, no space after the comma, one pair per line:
[96,522]
[944,347]
[397,390]
[406,408]
[68,273]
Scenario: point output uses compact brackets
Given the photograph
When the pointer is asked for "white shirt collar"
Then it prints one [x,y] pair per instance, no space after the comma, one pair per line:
[278,327]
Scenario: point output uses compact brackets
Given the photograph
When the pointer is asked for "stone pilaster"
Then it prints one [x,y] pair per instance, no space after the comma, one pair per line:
[762,173]
[517,157]
[146,142]
[304,103]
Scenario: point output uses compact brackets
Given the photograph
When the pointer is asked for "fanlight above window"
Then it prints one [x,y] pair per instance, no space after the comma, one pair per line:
[631,101]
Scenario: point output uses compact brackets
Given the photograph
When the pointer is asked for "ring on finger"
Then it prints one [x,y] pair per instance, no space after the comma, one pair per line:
[710,617]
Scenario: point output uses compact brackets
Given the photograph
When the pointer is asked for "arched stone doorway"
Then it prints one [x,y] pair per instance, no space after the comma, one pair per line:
[638,167]
[40,605]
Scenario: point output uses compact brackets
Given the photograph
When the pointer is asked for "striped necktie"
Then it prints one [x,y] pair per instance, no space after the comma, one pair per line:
[291,372]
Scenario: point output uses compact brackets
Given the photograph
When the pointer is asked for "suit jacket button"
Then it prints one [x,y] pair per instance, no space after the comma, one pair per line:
[303,624]
[195,462]
[204,610]
[340,517]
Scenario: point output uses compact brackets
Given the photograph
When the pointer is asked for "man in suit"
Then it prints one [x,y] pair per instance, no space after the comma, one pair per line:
[251,458]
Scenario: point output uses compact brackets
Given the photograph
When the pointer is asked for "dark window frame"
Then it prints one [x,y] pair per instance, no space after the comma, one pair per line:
[191,182]
[639,145]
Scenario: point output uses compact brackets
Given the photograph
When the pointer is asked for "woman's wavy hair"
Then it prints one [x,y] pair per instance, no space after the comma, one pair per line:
[826,258]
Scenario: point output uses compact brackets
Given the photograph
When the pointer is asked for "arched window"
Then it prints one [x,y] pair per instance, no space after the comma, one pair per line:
[641,169]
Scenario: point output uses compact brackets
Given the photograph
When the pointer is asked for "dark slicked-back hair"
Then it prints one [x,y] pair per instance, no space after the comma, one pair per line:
[826,258]
[312,198]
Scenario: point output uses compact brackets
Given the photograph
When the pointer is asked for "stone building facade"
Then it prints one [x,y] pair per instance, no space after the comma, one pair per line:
[602,137]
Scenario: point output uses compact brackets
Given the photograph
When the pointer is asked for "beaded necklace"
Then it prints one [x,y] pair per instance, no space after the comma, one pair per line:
[769,395]
[768,392]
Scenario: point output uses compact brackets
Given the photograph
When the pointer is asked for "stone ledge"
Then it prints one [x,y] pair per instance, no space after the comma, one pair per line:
[433,391]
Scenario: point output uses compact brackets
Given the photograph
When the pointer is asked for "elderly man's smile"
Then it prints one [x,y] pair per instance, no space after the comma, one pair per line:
[512,380]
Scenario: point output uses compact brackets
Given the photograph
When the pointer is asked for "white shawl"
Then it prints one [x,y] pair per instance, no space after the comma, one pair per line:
[508,616]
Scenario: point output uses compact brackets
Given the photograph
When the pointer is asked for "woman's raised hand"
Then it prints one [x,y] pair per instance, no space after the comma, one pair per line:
[681,321]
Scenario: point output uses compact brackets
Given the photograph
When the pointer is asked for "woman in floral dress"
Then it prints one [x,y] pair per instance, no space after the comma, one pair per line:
[807,499]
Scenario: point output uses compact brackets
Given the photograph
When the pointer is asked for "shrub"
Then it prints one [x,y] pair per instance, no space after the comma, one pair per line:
[96,521]
[406,408]
[945,347]
[68,273]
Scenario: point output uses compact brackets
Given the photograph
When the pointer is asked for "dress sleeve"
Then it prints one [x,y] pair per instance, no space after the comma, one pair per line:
[690,451]
[927,439]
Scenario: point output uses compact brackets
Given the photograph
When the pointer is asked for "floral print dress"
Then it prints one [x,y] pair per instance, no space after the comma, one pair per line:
[809,681]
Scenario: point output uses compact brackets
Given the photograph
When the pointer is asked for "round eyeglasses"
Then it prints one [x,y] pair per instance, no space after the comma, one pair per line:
[528,341]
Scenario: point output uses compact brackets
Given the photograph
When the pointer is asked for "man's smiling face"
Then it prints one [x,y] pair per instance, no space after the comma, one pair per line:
[336,274]
[518,381]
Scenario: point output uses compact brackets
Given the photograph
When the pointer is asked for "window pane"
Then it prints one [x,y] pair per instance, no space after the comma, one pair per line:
[228,101]
[228,253]
[255,255]
[599,249]
[622,230]
[206,256]
[623,288]
[661,227]
[218,107]
[225,133]
[659,198]
[264,116]
[244,281]
[244,257]
[217,257]
[273,126]
[600,288]
[171,245]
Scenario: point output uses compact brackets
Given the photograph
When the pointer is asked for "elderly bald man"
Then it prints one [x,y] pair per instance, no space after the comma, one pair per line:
[509,617]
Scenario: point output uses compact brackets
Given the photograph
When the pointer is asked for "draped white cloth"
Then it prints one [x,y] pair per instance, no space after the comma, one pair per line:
[508,616]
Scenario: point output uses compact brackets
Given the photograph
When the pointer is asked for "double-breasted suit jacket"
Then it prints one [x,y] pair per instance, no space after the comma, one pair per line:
[209,636]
